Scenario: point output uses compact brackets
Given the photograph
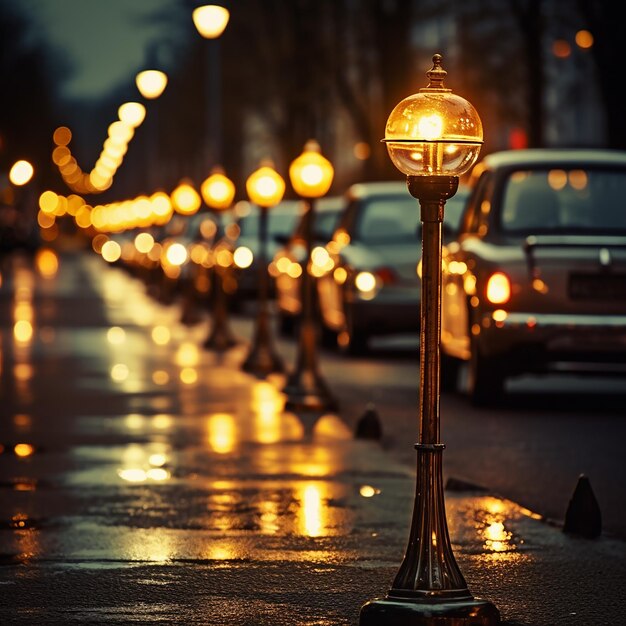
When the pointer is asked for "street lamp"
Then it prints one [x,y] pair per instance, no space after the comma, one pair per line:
[265,188]
[218,192]
[311,176]
[21,172]
[151,83]
[210,21]
[433,137]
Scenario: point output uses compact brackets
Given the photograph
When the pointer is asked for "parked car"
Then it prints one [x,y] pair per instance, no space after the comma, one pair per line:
[536,279]
[281,221]
[372,286]
[287,266]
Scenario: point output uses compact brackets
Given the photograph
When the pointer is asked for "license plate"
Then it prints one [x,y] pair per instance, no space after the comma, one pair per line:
[597,286]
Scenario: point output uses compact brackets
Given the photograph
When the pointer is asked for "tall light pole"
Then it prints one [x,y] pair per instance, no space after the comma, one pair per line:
[311,176]
[151,84]
[218,192]
[433,137]
[210,21]
[265,188]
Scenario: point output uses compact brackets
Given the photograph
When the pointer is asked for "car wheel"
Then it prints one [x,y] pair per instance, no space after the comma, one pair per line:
[486,381]
[352,340]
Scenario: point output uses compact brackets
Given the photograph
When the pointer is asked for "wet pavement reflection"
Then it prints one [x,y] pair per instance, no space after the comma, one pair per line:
[124,443]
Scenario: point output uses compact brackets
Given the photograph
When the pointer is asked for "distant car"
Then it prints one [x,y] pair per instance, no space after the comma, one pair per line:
[535,281]
[372,286]
[288,261]
[281,221]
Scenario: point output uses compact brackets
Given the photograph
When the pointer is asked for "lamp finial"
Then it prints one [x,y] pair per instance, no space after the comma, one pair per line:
[436,75]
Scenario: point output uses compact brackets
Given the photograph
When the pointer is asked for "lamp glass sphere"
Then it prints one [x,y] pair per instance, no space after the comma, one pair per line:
[185,199]
[434,132]
[265,187]
[311,174]
[210,20]
[151,83]
[132,113]
[218,191]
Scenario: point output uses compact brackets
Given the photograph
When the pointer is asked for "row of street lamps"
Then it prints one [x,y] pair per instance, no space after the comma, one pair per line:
[311,176]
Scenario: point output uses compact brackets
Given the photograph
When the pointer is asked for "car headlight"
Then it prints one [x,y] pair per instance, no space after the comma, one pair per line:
[365,282]
[367,285]
[243,257]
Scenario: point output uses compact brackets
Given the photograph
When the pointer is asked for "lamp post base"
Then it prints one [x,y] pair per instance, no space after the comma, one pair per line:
[308,393]
[262,359]
[220,341]
[395,611]
[305,389]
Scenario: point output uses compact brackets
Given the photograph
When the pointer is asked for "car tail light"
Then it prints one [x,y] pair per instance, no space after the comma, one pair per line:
[386,275]
[498,288]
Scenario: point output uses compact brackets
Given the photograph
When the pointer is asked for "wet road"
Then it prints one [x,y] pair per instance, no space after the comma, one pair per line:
[531,448]
[130,453]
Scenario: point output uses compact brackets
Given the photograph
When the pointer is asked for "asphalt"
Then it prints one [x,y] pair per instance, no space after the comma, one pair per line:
[161,484]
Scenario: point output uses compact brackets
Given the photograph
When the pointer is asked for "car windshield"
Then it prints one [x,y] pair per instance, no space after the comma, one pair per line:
[281,220]
[397,217]
[564,201]
[388,218]
[325,224]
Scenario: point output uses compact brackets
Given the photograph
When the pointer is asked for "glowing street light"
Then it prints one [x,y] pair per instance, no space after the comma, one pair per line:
[210,20]
[132,113]
[185,199]
[21,173]
[151,83]
[265,188]
[433,137]
[218,192]
[311,176]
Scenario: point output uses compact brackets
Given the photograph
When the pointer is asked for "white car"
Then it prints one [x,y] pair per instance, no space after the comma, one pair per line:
[371,286]
[535,280]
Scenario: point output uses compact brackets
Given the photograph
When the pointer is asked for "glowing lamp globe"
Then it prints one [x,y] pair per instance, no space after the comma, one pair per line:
[434,132]
[218,190]
[151,83]
[210,20]
[21,172]
[311,174]
[132,113]
[265,186]
[185,199]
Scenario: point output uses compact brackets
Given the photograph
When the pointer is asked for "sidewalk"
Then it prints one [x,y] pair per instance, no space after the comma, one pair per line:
[166,486]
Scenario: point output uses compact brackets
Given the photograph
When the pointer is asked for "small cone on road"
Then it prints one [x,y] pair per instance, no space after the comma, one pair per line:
[368,426]
[583,516]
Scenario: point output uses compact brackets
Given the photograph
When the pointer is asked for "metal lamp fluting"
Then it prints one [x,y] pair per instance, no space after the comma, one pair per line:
[218,192]
[433,137]
[311,176]
[265,188]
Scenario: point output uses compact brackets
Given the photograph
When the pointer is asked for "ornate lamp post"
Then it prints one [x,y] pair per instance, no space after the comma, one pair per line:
[210,21]
[433,137]
[311,176]
[218,192]
[186,201]
[265,188]
[151,84]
